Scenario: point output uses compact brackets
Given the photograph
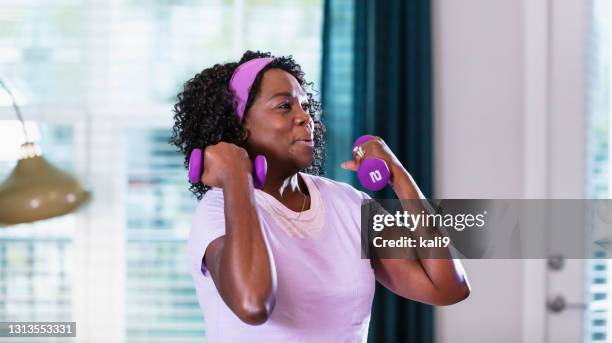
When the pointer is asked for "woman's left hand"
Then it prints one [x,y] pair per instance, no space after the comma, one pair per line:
[440,281]
[377,148]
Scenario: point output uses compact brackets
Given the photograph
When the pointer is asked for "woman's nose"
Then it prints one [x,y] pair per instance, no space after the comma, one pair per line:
[303,118]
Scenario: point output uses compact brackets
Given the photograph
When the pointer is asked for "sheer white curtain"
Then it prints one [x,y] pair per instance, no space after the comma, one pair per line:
[100,78]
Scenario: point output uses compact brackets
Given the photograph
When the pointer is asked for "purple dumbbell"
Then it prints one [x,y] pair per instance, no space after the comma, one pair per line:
[196,166]
[373,172]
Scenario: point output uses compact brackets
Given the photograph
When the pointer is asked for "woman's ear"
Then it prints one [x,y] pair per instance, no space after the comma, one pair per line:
[245,134]
[245,139]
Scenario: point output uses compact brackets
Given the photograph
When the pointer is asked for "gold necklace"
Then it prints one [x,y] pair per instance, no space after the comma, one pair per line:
[302,210]
[294,226]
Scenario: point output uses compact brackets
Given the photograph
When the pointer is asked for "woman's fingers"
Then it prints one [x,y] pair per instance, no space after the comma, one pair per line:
[359,153]
[371,148]
[350,165]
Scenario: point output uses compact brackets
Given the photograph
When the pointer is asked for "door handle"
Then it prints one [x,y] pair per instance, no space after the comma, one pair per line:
[558,304]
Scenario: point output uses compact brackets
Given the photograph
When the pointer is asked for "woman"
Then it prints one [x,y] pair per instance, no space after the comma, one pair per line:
[283,264]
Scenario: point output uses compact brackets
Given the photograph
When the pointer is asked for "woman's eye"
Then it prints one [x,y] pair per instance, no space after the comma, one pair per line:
[285,106]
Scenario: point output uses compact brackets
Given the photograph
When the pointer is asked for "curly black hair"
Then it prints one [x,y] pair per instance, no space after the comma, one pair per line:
[205,112]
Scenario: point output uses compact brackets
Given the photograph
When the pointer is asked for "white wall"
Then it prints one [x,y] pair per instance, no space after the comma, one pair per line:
[510,114]
[479,135]
[478,77]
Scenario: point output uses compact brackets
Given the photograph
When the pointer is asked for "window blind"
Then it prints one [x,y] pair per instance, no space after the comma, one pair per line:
[36,260]
[102,76]
[597,317]
[161,301]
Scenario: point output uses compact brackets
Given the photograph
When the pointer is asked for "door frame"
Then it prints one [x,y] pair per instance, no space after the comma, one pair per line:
[555,79]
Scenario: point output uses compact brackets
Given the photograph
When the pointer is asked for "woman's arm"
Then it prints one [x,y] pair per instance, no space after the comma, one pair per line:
[240,262]
[433,281]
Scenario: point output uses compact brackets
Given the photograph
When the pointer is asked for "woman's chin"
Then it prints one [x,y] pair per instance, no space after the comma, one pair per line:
[304,162]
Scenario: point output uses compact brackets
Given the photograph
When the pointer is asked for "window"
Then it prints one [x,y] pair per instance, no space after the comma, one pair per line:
[599,179]
[100,79]
[36,260]
[161,303]
[42,51]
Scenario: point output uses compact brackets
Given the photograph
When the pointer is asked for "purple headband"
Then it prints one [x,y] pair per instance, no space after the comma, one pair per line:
[243,79]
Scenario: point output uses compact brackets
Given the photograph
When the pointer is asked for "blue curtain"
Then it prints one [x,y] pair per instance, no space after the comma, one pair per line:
[377,79]
[337,85]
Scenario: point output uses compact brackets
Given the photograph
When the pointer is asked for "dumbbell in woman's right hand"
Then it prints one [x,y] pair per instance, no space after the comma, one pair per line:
[222,162]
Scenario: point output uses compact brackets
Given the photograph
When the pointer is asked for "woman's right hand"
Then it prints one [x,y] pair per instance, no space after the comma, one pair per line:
[240,262]
[223,163]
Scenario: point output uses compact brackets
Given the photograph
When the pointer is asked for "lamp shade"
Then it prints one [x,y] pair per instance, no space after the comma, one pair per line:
[37,190]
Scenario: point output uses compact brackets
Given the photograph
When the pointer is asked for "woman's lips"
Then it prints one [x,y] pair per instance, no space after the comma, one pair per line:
[305,141]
